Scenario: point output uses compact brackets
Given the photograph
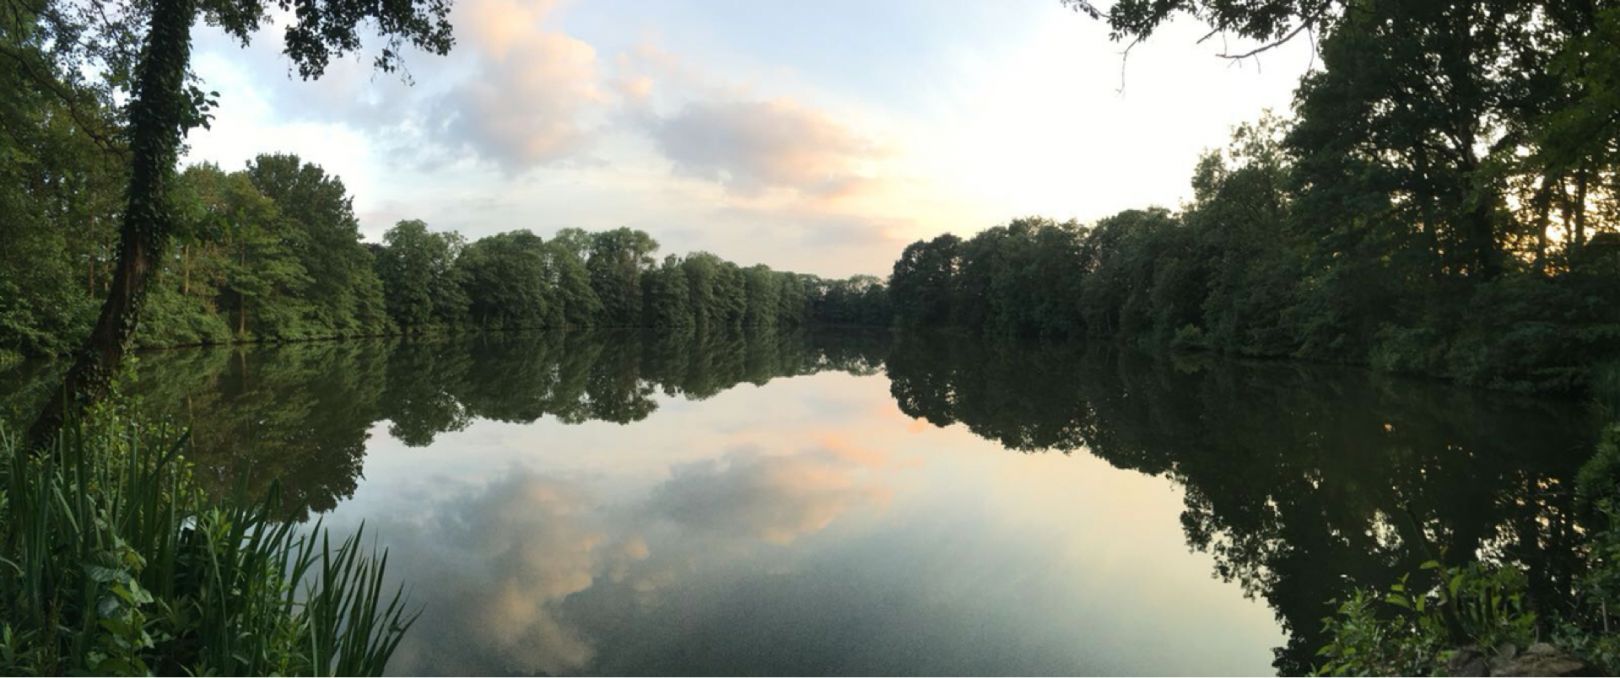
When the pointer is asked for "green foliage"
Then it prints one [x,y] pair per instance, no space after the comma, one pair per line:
[1443,202]
[113,561]
[59,194]
[576,302]
[1367,644]
[1416,632]
[923,281]
[244,270]
[1282,254]
[667,296]
[179,319]
[273,252]
[857,300]
[1589,630]
[1598,482]
[1413,630]
[506,280]
[1403,350]
[341,295]
[422,285]
[617,259]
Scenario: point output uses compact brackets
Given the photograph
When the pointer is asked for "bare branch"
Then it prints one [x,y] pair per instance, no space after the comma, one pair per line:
[1124,58]
[1084,7]
[1311,34]
[1307,23]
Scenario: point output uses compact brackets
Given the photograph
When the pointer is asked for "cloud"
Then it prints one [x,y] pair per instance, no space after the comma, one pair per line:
[504,560]
[776,499]
[754,145]
[512,94]
[586,134]
[527,102]
[510,571]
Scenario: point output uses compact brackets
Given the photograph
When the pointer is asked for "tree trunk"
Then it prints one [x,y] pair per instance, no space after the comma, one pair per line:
[1543,206]
[1426,198]
[158,113]
[1580,208]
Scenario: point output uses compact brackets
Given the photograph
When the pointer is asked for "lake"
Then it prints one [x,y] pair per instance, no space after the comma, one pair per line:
[868,503]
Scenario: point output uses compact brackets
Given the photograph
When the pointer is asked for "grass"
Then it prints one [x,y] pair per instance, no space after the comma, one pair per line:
[114,561]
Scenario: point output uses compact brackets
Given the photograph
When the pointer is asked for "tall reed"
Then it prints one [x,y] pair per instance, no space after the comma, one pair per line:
[114,561]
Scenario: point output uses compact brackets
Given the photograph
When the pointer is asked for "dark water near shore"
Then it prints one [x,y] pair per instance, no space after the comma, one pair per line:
[861,503]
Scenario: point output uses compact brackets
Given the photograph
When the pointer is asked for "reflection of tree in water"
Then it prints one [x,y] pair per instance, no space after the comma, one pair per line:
[301,413]
[297,413]
[1296,477]
[417,398]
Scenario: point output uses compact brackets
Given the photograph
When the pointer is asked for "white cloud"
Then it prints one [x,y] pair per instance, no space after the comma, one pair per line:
[532,91]
[547,116]
[750,146]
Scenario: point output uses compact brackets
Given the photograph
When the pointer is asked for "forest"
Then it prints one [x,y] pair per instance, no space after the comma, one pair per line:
[1443,200]
[273,253]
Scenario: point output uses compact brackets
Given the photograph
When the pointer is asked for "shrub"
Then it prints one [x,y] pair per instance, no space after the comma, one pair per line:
[1416,630]
[1404,350]
[1190,338]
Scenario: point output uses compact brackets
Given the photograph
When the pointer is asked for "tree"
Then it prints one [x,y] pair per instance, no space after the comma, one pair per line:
[617,259]
[922,283]
[237,229]
[1240,217]
[343,295]
[570,280]
[419,275]
[60,187]
[1273,22]
[505,277]
[761,289]
[163,106]
[666,296]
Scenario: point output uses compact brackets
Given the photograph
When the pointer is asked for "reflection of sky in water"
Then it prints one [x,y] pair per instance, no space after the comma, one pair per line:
[802,527]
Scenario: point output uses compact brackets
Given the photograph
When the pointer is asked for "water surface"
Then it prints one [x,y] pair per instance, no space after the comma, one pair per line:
[858,503]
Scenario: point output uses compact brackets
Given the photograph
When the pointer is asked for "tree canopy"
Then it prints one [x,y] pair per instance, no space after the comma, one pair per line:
[1444,199]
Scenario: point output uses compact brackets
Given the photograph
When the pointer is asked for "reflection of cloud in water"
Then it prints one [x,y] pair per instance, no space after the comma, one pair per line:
[774,498]
[503,570]
[491,569]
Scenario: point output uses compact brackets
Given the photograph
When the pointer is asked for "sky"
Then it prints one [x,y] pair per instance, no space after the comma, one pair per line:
[814,137]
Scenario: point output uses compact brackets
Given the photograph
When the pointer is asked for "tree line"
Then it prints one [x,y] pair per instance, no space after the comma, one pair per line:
[273,252]
[1443,200]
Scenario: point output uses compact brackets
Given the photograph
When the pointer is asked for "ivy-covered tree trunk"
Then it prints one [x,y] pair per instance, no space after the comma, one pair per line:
[157,115]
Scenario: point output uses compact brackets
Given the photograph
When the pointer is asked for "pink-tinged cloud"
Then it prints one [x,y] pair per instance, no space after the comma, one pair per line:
[776,499]
[527,103]
[506,557]
[751,146]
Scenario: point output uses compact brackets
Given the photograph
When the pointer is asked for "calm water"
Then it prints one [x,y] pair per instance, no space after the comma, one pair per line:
[861,504]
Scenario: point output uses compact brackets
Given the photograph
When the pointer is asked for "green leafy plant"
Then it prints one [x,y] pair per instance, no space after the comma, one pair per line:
[1415,630]
[114,561]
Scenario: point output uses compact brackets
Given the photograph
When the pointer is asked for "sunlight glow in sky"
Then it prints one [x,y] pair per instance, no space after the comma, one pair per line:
[816,137]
